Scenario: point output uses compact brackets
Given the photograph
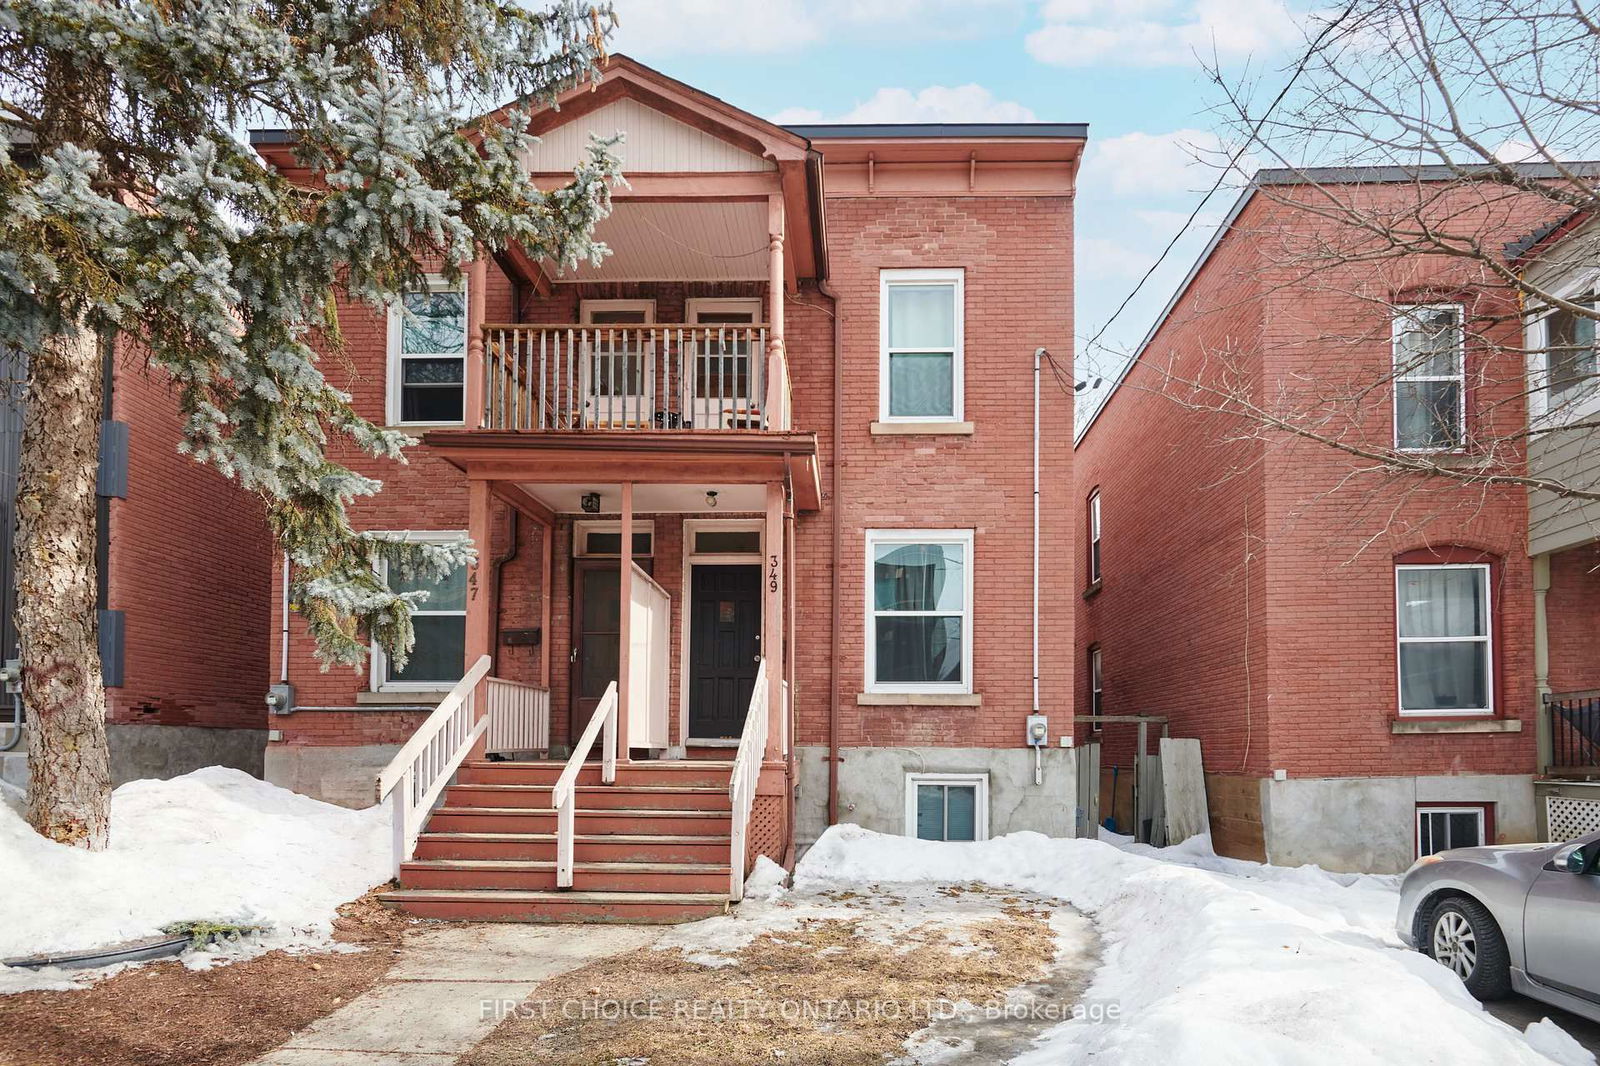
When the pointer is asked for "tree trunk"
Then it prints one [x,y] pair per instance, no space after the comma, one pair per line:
[69,786]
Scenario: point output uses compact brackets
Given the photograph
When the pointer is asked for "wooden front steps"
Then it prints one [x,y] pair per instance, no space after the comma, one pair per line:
[652,847]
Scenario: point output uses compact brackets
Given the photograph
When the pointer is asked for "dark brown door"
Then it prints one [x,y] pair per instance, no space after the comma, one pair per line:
[724,644]
[596,631]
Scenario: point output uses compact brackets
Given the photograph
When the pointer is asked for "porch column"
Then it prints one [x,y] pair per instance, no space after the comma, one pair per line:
[625,622]
[546,566]
[776,371]
[477,370]
[479,600]
[1541,660]
[772,623]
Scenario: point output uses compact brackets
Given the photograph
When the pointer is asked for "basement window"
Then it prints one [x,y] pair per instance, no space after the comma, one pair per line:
[947,806]
[1440,828]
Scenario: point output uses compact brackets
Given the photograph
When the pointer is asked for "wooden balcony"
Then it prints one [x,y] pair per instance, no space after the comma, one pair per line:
[648,378]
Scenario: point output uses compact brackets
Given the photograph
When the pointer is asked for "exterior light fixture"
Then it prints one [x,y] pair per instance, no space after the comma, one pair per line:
[711,497]
[590,503]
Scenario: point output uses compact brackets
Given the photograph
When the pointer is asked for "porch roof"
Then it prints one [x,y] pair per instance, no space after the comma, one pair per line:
[563,457]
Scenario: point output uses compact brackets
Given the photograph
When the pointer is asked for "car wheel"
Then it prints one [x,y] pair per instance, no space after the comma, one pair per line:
[1463,936]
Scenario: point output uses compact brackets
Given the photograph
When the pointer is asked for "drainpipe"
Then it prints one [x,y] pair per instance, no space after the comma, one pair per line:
[838,547]
[1038,357]
[789,656]
[283,654]
[499,564]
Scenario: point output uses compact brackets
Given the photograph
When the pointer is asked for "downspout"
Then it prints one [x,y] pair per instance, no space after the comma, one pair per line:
[499,562]
[790,660]
[283,654]
[1038,356]
[837,491]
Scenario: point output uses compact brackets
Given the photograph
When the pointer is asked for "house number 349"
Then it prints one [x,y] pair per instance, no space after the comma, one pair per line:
[772,573]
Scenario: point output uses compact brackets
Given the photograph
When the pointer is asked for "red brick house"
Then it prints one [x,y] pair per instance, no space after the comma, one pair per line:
[183,559]
[1362,661]
[755,502]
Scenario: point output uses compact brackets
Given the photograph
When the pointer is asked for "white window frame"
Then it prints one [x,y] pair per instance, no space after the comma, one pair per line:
[1397,327]
[587,308]
[887,279]
[1097,691]
[581,531]
[876,537]
[1453,808]
[980,813]
[379,680]
[1487,641]
[1537,337]
[707,304]
[396,317]
[1096,561]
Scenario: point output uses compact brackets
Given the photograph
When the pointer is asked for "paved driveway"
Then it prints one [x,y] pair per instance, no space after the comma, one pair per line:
[1522,1012]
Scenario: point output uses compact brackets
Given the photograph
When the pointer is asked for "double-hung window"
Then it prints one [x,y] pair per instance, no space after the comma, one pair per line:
[1445,636]
[428,356]
[1094,537]
[1570,357]
[919,611]
[947,806]
[1430,393]
[920,325]
[438,658]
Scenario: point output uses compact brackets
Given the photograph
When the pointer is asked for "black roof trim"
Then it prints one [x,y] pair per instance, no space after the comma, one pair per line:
[826,131]
[274,137]
[1392,175]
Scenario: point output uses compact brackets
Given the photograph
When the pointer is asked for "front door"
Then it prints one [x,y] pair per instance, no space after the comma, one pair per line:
[724,648]
[596,634]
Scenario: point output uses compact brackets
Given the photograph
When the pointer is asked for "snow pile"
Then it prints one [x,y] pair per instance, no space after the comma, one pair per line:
[216,844]
[1210,960]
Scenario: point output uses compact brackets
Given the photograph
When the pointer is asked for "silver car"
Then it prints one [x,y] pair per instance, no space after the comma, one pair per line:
[1523,918]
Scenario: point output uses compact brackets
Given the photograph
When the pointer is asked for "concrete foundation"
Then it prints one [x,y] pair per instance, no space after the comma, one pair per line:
[342,775]
[160,751]
[1368,824]
[872,787]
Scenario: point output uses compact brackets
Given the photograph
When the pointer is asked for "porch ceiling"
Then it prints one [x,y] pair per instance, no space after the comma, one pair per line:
[688,241]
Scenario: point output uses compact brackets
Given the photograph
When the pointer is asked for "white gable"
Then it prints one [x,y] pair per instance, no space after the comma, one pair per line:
[655,143]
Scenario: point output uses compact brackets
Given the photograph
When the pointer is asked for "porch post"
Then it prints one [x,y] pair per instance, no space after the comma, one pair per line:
[625,622]
[479,600]
[772,628]
[776,373]
[477,369]
[546,566]
[1544,741]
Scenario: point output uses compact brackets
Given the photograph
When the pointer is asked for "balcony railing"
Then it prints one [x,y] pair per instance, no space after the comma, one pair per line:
[654,377]
[1574,730]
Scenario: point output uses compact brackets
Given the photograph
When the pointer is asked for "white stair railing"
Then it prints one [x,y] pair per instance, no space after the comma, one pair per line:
[564,797]
[422,768]
[742,783]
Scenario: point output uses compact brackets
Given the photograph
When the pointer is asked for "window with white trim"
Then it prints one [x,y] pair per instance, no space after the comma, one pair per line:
[438,658]
[920,371]
[919,611]
[1094,536]
[1444,629]
[604,539]
[1440,828]
[428,355]
[1430,388]
[1097,701]
[947,806]
[1571,365]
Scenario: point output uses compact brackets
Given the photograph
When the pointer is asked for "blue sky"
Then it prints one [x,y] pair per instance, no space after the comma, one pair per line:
[1128,68]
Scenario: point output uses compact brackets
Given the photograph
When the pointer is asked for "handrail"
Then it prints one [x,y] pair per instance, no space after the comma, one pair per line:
[711,327]
[742,782]
[564,796]
[423,766]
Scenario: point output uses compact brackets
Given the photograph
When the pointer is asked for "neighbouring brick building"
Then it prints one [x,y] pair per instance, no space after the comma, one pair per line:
[1359,657]
[777,453]
[184,559]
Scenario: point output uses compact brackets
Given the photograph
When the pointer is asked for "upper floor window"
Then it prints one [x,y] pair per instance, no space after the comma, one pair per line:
[919,611]
[1097,700]
[428,355]
[1570,356]
[1094,537]
[1430,392]
[1445,636]
[438,658]
[920,326]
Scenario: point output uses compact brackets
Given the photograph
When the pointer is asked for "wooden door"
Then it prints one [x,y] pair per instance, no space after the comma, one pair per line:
[724,646]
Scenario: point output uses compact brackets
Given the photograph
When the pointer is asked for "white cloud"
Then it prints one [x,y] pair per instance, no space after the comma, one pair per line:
[936,103]
[659,27]
[1152,33]
[1155,164]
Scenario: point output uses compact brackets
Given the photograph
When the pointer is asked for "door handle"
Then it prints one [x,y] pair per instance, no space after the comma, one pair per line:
[574,656]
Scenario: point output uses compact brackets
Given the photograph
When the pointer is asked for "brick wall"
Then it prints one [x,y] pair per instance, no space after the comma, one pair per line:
[188,559]
[1573,609]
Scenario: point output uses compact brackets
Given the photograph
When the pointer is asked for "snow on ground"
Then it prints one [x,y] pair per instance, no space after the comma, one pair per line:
[1210,960]
[216,845]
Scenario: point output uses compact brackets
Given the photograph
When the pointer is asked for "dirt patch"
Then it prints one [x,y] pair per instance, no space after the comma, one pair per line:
[824,994]
[162,1014]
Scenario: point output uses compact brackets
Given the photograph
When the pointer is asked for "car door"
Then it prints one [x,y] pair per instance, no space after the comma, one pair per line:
[1561,922]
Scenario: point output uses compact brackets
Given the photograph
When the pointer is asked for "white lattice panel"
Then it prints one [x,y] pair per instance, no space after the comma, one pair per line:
[1571,818]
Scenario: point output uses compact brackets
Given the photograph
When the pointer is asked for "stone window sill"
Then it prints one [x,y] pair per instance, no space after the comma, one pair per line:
[1092,591]
[912,429]
[404,699]
[1409,726]
[919,699]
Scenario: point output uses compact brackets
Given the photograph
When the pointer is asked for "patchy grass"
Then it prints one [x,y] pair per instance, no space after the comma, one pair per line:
[820,991]
[161,1014]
